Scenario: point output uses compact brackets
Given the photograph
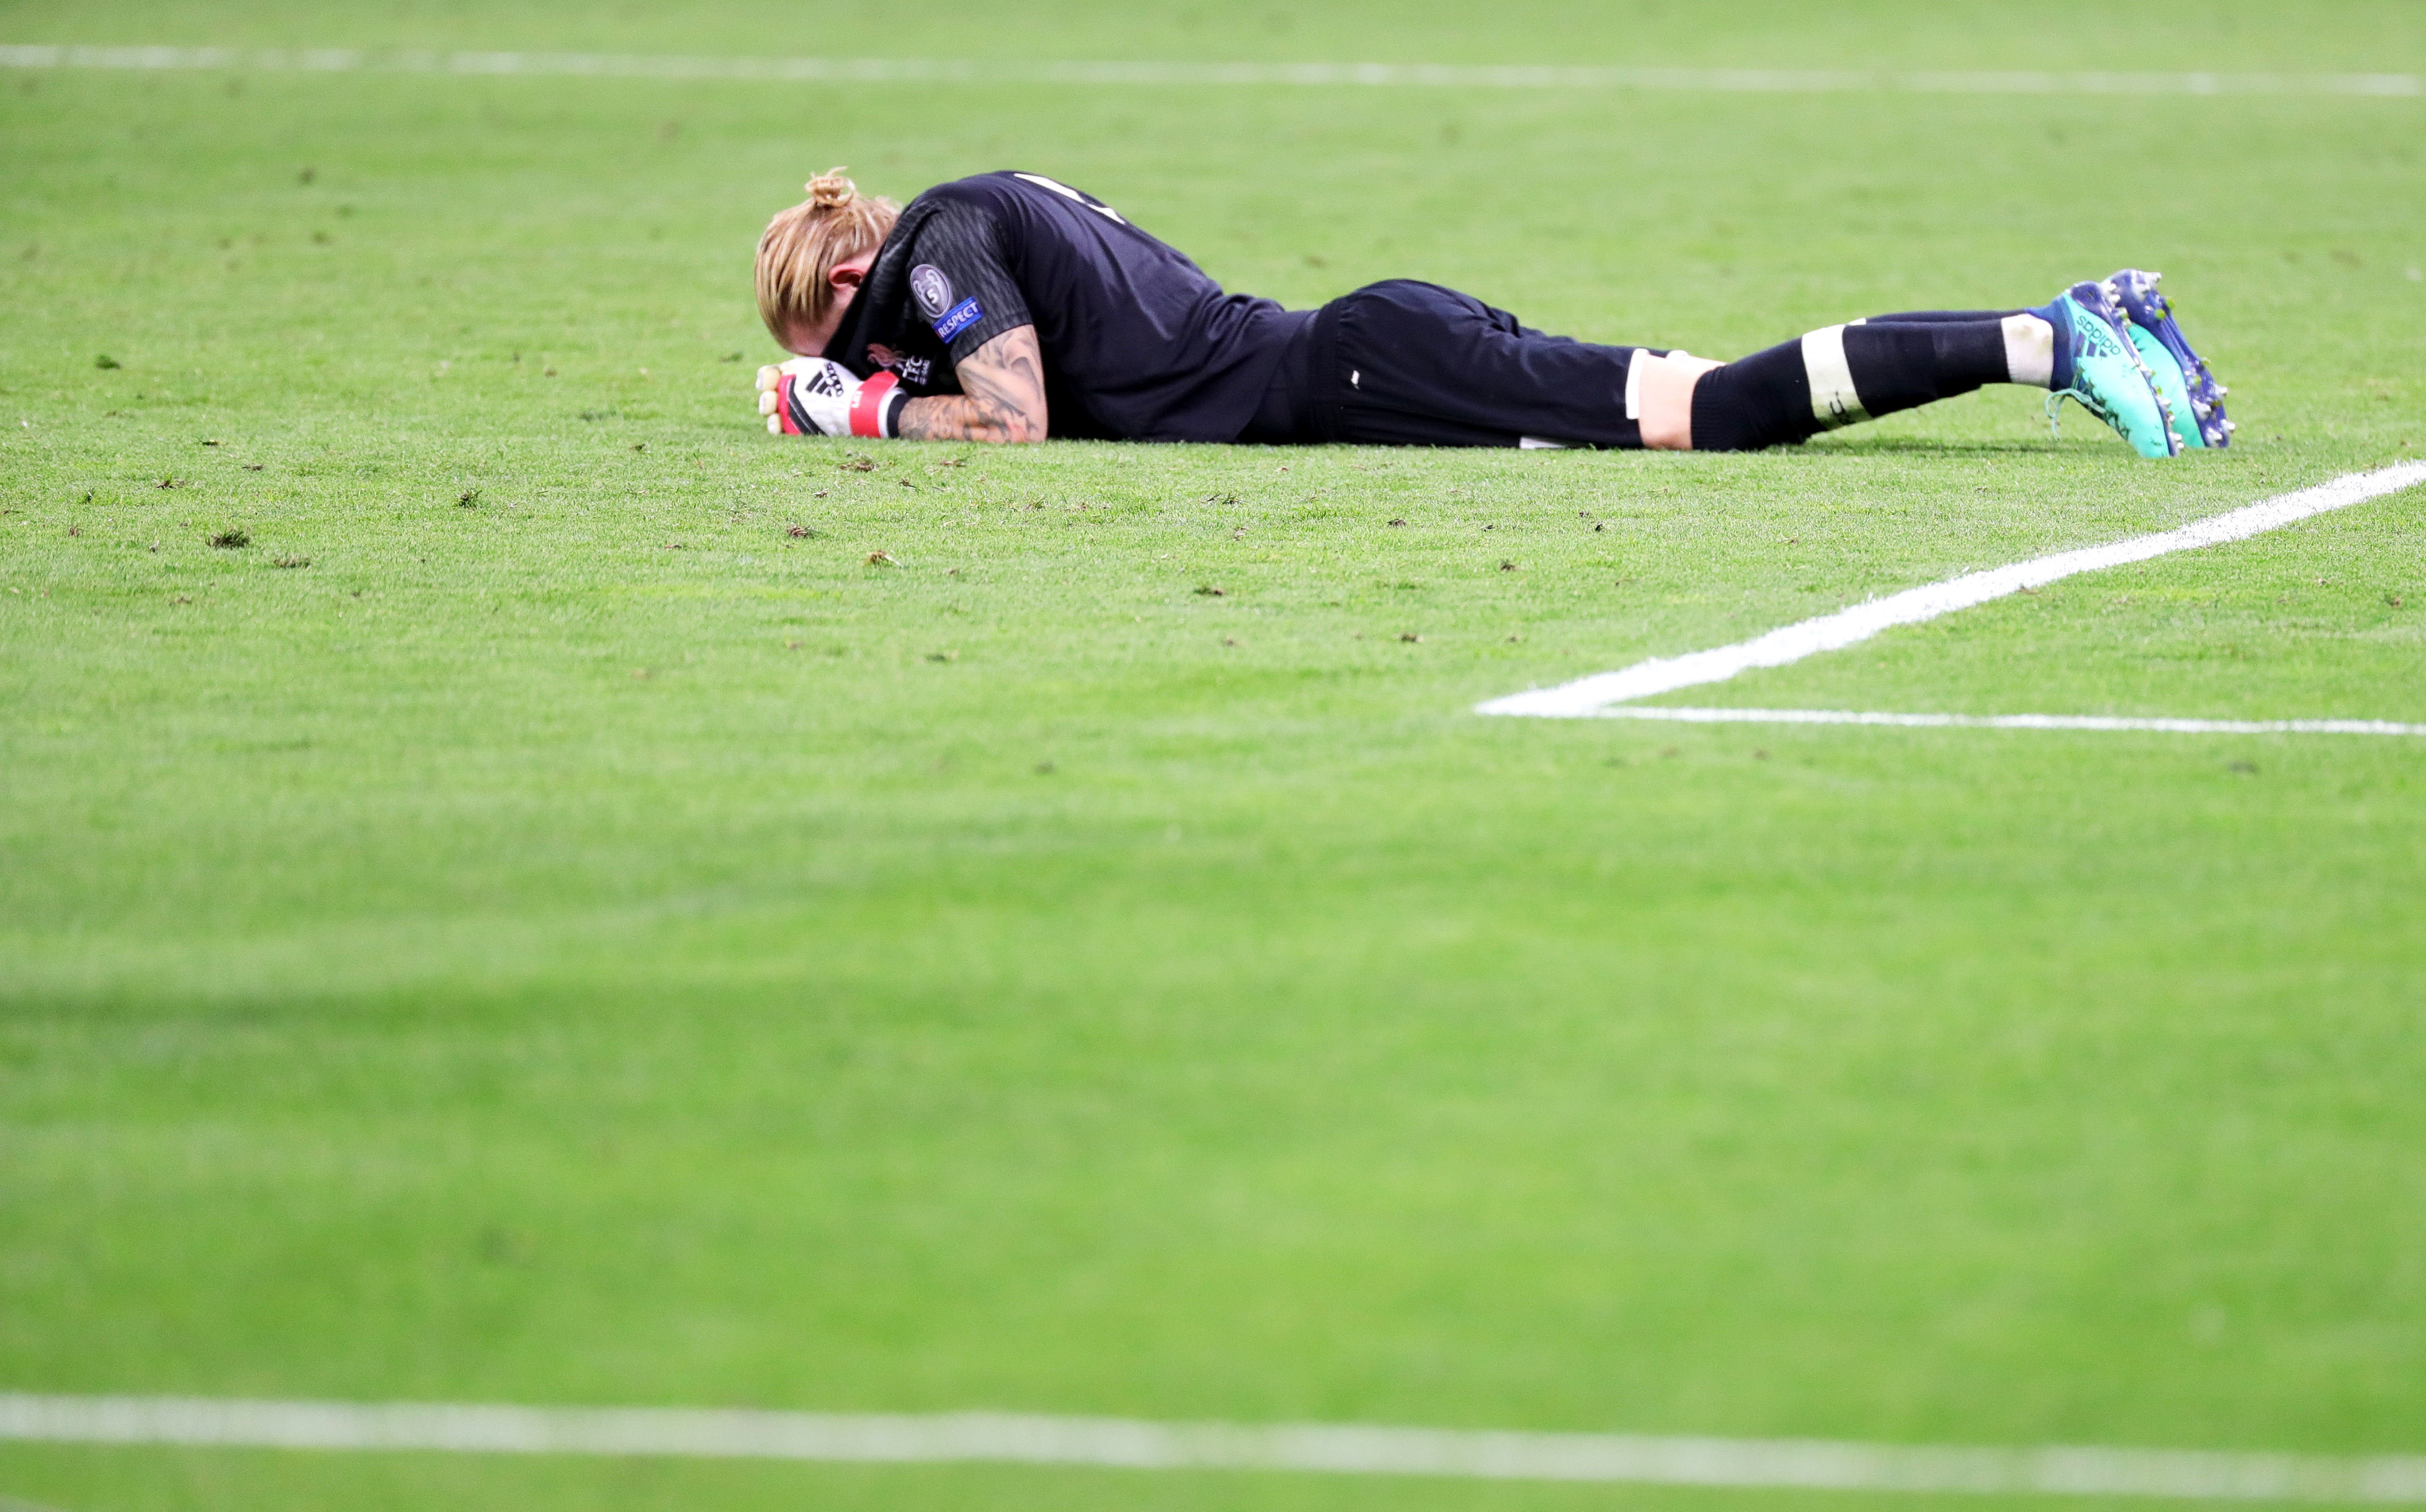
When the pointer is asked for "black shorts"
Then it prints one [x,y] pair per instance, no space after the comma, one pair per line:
[1416,365]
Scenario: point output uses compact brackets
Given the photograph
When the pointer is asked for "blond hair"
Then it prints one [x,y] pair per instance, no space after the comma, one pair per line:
[797,252]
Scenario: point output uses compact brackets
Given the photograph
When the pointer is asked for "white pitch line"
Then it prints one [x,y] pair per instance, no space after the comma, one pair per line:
[1127,1444]
[1587,696]
[2007,721]
[1012,70]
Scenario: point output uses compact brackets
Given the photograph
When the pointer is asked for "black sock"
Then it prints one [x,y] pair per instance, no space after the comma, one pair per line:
[1840,374]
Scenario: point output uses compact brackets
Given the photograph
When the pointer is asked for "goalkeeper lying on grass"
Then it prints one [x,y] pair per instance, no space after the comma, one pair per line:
[1010,307]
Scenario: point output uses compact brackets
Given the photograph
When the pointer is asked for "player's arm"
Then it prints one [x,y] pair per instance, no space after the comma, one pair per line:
[1001,398]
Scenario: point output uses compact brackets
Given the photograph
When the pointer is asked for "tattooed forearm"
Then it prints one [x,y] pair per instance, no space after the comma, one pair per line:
[1002,398]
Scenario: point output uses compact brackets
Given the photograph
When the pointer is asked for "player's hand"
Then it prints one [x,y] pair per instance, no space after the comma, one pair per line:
[815,396]
[807,396]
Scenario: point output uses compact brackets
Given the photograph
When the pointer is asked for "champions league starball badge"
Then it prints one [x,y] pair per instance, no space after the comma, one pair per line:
[933,290]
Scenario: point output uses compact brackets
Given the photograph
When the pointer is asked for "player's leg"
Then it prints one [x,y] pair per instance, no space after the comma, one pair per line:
[1415,364]
[1840,374]
[1407,363]
[2077,346]
[2193,398]
[1411,363]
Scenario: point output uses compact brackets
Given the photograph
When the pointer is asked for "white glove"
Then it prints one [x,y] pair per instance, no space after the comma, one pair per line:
[813,395]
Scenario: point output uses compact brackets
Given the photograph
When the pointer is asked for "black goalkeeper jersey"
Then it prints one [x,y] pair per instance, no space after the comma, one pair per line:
[1139,344]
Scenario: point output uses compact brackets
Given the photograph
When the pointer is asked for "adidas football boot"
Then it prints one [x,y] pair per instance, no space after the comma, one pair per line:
[2172,388]
[2198,418]
[2096,364]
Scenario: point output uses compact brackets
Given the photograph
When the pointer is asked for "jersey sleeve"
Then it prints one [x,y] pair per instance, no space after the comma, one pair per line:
[959,280]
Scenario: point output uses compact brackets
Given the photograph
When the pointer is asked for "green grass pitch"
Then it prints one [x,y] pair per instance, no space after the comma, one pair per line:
[555,917]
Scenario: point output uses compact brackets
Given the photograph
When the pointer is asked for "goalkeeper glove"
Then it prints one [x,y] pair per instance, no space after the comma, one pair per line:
[811,395]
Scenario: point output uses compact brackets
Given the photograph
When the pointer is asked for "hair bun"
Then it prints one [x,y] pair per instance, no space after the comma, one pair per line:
[831,190]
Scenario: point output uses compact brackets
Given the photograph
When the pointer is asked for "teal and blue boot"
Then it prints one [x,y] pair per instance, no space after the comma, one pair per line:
[2097,364]
[2198,403]
[2173,387]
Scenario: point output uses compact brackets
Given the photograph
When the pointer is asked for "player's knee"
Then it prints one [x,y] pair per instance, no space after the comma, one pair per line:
[1664,388]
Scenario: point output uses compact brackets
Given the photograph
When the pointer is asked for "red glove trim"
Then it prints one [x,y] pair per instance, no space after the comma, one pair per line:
[794,418]
[868,407]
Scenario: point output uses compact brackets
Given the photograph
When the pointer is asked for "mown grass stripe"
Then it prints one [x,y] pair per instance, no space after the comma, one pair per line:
[1012,70]
[1125,1444]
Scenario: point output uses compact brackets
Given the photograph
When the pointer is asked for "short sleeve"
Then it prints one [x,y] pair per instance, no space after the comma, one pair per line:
[959,282]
